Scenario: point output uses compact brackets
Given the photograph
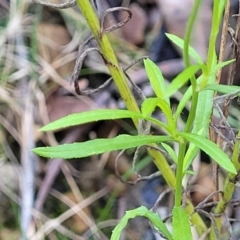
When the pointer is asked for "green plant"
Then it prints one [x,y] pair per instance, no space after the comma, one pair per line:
[194,135]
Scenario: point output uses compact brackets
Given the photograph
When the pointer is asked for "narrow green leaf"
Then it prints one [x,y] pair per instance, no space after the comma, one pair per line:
[226,89]
[181,79]
[203,99]
[190,172]
[185,98]
[96,115]
[222,64]
[144,212]
[156,79]
[211,149]
[191,154]
[150,104]
[98,146]
[203,112]
[205,103]
[180,43]
[89,116]
[171,152]
[222,5]
[214,70]
[181,224]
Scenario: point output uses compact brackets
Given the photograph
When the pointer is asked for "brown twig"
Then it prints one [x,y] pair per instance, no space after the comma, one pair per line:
[213,138]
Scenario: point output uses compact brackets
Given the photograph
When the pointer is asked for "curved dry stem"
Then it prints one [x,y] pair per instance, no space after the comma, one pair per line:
[78,67]
[140,178]
[160,198]
[214,226]
[117,25]
[201,204]
[69,4]
[79,61]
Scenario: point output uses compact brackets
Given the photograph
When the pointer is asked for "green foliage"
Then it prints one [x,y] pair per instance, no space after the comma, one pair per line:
[190,139]
[181,226]
[156,79]
[98,146]
[226,89]
[170,151]
[97,115]
[180,43]
[149,105]
[211,149]
[141,211]
[182,79]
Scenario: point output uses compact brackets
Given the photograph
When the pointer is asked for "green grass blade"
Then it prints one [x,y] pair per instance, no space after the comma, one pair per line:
[98,146]
[181,224]
[144,212]
[211,149]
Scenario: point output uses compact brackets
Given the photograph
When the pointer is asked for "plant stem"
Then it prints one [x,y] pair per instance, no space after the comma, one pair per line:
[188,32]
[127,96]
[186,58]
[121,83]
[108,53]
[191,117]
[178,192]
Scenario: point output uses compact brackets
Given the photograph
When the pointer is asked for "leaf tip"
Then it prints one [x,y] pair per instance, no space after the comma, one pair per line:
[43,129]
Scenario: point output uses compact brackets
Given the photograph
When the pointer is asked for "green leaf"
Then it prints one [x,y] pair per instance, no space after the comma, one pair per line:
[149,105]
[214,70]
[205,103]
[141,211]
[185,98]
[211,149]
[226,89]
[180,43]
[156,79]
[98,146]
[190,172]
[204,111]
[171,152]
[181,79]
[221,65]
[181,225]
[96,115]
[191,154]
[203,99]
